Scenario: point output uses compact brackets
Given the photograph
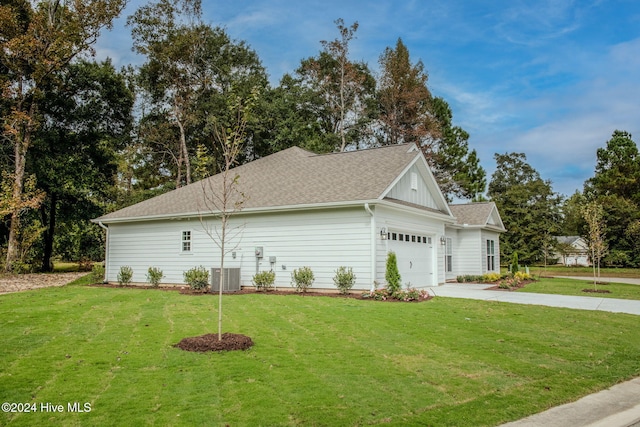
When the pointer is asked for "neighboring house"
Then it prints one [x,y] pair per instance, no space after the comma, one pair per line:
[572,250]
[322,211]
[473,242]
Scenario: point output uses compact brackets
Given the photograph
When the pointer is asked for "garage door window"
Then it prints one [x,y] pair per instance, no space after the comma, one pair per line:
[410,238]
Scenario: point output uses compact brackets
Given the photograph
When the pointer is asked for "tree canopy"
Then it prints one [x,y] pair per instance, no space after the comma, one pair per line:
[529,208]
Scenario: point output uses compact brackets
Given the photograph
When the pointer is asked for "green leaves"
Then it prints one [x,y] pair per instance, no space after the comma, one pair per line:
[529,208]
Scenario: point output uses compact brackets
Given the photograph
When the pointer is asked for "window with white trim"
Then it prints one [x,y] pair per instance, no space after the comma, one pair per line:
[186,241]
[449,254]
[491,255]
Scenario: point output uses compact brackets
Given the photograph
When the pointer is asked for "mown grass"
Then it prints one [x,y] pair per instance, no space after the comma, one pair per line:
[559,270]
[316,360]
[561,286]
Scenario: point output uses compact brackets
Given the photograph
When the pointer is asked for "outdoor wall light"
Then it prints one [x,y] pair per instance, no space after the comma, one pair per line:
[383,233]
[443,240]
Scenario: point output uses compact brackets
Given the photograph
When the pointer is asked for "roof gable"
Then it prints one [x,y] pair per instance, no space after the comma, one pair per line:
[417,185]
[290,178]
[483,215]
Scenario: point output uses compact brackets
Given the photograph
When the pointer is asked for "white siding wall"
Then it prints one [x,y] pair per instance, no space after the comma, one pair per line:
[468,256]
[415,223]
[403,189]
[490,235]
[320,239]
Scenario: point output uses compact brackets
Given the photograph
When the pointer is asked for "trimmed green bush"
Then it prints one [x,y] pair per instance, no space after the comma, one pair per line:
[97,272]
[264,280]
[514,263]
[302,279]
[125,275]
[392,274]
[154,276]
[197,278]
[344,279]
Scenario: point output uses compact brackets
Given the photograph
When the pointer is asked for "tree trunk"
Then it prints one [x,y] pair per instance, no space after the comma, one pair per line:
[20,152]
[50,223]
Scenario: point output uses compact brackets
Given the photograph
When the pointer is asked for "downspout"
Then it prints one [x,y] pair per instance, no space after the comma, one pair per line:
[106,252]
[372,251]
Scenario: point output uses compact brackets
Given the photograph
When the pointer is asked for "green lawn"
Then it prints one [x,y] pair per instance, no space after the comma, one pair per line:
[562,286]
[558,270]
[316,360]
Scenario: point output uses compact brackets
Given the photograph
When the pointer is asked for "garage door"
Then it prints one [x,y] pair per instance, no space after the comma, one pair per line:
[414,253]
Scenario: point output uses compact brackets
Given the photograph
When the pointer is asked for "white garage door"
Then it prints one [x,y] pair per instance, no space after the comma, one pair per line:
[414,253]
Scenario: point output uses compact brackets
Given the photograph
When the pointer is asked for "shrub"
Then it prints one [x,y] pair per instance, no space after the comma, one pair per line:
[302,279]
[392,274]
[521,276]
[154,276]
[410,294]
[469,278]
[514,263]
[197,278]
[491,277]
[125,275]
[344,279]
[97,272]
[264,280]
[377,294]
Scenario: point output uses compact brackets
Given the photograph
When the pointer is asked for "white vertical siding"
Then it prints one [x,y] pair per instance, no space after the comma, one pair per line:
[320,239]
[404,189]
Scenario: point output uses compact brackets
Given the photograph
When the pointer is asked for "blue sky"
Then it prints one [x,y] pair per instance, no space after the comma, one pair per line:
[550,78]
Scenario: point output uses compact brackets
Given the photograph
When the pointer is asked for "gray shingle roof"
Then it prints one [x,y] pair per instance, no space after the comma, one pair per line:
[475,214]
[290,177]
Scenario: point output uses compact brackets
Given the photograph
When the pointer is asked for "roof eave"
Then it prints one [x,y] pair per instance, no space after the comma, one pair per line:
[268,209]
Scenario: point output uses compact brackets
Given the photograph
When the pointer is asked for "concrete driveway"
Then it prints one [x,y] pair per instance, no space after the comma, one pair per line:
[479,292]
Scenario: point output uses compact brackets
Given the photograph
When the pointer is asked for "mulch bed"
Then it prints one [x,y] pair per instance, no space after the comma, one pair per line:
[597,291]
[210,342]
[514,288]
[184,290]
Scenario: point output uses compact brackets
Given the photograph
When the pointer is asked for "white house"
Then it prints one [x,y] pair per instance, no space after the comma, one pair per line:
[321,211]
[473,242]
[573,250]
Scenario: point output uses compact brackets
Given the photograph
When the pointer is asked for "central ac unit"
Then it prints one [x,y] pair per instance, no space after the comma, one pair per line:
[231,279]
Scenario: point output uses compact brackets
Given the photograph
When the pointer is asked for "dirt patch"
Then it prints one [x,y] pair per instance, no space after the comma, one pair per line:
[597,291]
[24,282]
[210,342]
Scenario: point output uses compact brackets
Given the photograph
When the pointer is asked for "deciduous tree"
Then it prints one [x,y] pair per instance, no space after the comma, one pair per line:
[596,231]
[191,70]
[346,88]
[38,39]
[528,206]
[616,186]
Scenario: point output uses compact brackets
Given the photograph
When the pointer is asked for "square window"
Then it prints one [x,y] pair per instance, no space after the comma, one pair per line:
[401,237]
[413,238]
[394,236]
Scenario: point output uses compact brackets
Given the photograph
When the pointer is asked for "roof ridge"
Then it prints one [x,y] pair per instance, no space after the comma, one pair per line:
[406,144]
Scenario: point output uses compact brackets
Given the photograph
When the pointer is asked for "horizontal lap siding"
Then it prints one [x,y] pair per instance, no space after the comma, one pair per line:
[468,254]
[490,235]
[321,239]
